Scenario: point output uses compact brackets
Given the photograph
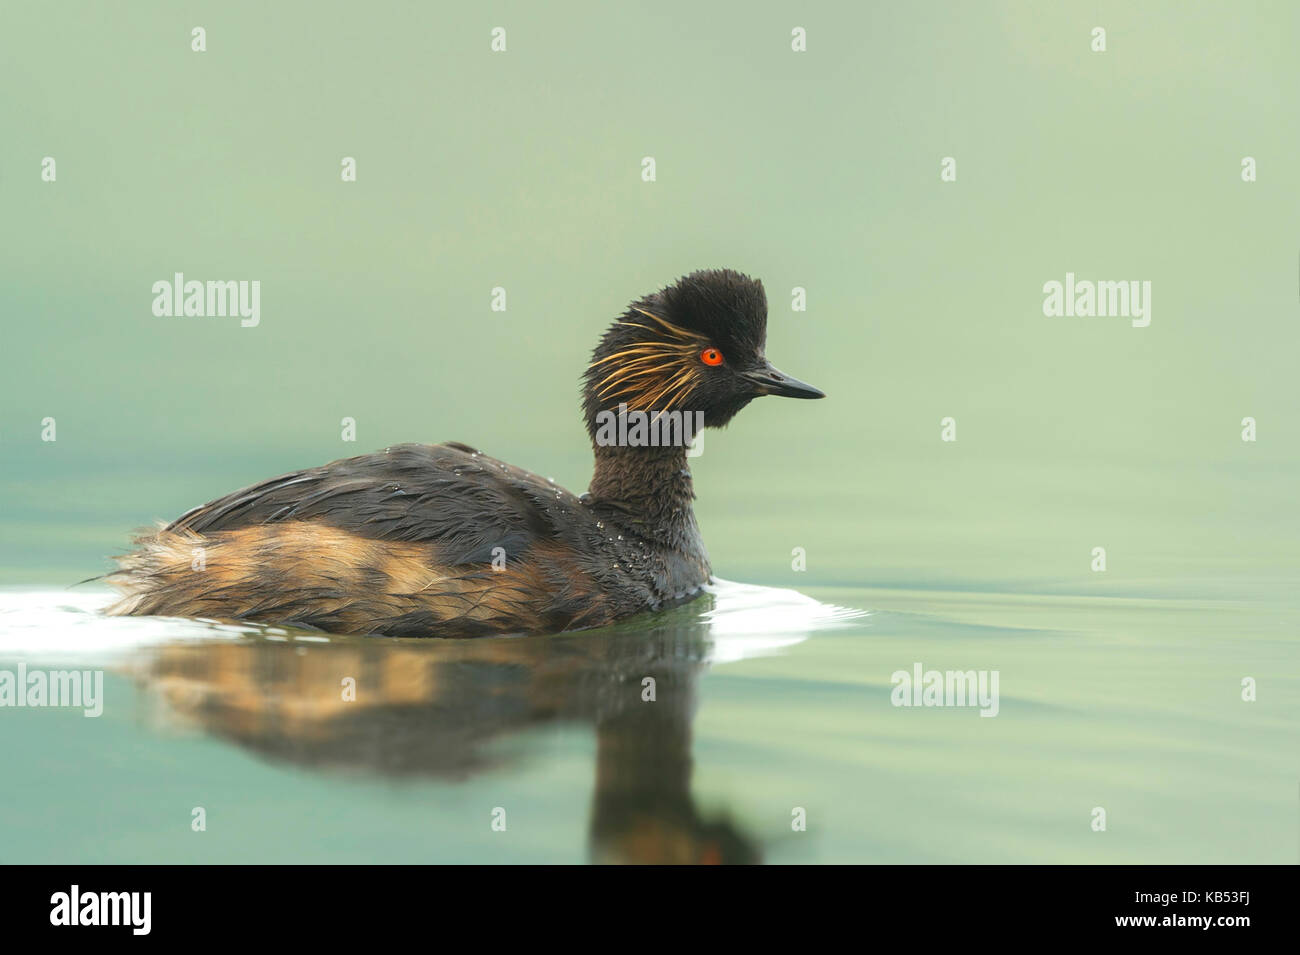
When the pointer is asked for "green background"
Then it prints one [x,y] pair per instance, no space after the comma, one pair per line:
[522,170]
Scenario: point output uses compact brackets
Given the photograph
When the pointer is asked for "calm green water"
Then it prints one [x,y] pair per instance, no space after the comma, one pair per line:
[764,703]
[1118,688]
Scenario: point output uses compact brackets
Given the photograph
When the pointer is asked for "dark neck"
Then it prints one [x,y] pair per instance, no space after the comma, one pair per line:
[647,490]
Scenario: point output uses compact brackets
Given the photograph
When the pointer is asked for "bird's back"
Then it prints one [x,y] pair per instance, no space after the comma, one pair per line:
[416,540]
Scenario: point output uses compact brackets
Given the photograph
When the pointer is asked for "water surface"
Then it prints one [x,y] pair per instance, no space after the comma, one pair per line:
[767,703]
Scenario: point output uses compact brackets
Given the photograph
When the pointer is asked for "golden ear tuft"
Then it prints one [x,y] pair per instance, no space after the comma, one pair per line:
[656,371]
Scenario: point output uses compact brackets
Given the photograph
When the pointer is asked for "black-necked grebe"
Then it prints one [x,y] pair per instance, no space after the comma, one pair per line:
[444,541]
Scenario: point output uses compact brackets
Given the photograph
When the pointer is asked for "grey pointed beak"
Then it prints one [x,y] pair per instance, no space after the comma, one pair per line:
[769,381]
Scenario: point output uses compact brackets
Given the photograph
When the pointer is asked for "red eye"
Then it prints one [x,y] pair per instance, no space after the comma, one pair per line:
[711,356]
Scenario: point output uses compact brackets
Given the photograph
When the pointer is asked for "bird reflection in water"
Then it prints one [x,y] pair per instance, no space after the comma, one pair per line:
[432,707]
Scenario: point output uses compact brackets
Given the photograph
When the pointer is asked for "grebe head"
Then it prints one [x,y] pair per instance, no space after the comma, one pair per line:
[695,346]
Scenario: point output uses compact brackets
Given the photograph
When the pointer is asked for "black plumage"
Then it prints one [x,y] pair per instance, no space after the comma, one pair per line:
[442,540]
[450,493]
